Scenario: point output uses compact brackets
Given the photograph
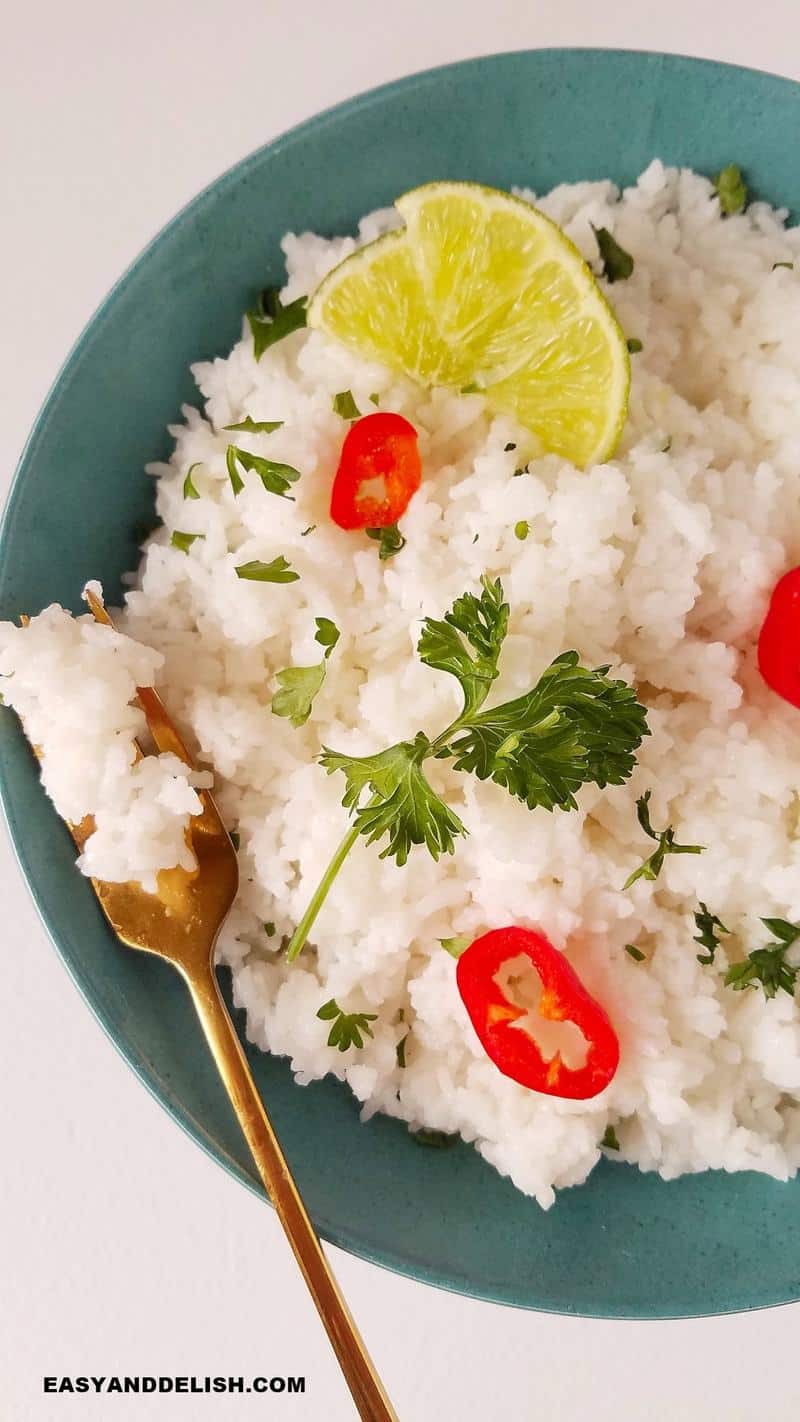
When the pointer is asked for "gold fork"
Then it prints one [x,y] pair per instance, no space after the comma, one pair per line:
[181,925]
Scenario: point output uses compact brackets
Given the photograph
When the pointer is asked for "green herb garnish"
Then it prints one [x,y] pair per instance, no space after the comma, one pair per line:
[507,448]
[521,530]
[400,1050]
[574,727]
[768,966]
[471,389]
[788,265]
[269,929]
[609,1141]
[299,686]
[345,405]
[347,1027]
[708,928]
[634,345]
[617,263]
[666,446]
[189,490]
[437,1140]
[184,541]
[731,189]
[250,426]
[390,538]
[327,634]
[271,320]
[456,946]
[278,571]
[235,839]
[375,399]
[665,840]
[308,530]
[275,477]
[634,952]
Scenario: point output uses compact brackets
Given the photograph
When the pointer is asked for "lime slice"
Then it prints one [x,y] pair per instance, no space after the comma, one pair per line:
[480,288]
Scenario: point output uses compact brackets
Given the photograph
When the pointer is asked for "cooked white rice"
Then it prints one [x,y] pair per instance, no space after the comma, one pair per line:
[659,562]
[72,682]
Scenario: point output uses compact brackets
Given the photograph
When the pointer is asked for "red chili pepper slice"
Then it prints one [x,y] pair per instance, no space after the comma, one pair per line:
[497,1019]
[379,472]
[779,640]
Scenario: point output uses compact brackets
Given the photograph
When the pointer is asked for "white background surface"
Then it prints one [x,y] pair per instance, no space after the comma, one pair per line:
[122,1248]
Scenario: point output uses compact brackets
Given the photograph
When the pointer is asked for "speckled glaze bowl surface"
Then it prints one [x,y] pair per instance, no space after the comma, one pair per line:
[623,1244]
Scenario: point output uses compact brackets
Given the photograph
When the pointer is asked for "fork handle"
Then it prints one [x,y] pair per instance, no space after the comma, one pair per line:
[370,1399]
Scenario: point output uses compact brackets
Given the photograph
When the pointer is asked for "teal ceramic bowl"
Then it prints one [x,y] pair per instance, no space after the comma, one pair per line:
[624,1244]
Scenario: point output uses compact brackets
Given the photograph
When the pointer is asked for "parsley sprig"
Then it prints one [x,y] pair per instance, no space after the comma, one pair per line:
[271,320]
[708,928]
[768,966]
[277,478]
[349,1028]
[731,190]
[665,844]
[574,727]
[617,263]
[299,685]
[344,405]
[389,538]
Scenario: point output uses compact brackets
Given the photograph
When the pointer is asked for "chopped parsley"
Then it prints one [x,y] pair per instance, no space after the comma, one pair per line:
[400,1050]
[375,399]
[349,1028]
[617,263]
[634,952]
[345,405]
[327,634]
[731,189]
[456,946]
[278,571]
[521,530]
[609,1141]
[184,541]
[634,345]
[666,446]
[437,1140]
[269,929]
[708,929]
[251,426]
[665,842]
[271,320]
[308,530]
[788,265]
[574,727]
[471,389]
[507,448]
[276,478]
[299,685]
[235,839]
[768,966]
[390,539]
[189,490]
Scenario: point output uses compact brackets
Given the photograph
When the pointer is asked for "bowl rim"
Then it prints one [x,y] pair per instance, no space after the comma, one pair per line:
[341,1235]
